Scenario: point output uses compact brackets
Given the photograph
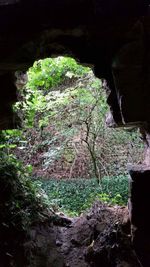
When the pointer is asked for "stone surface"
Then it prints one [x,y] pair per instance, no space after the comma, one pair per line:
[139,212]
[98,239]
[8,96]
[41,248]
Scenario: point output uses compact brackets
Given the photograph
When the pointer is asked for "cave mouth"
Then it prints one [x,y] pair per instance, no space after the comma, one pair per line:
[65,144]
[64,171]
[98,33]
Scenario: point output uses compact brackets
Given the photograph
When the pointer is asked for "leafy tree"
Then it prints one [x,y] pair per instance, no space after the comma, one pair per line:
[65,105]
[49,72]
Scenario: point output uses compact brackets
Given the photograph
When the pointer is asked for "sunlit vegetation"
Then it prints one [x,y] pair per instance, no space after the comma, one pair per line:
[62,106]
[76,196]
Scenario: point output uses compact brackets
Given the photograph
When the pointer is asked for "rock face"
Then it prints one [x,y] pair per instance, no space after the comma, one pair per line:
[110,35]
[138,207]
[94,239]
[97,239]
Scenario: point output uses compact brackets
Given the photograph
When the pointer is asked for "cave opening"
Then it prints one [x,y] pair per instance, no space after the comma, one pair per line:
[113,37]
[71,160]
[70,138]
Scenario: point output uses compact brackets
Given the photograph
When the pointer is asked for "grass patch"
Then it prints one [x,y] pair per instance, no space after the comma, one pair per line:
[77,195]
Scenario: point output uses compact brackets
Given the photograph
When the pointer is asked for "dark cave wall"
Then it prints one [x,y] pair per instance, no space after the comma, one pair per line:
[103,34]
[8,96]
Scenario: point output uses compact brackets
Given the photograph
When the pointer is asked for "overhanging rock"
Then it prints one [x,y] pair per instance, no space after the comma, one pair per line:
[112,36]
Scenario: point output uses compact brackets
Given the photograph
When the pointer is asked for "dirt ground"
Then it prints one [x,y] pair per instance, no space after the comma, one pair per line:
[100,238]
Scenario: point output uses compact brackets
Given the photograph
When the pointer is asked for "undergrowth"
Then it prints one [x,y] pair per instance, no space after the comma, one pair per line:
[20,199]
[77,195]
[21,205]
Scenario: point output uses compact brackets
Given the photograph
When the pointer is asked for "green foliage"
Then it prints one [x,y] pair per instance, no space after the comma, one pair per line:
[75,196]
[9,139]
[21,201]
[63,109]
[49,72]
[43,77]
[66,106]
